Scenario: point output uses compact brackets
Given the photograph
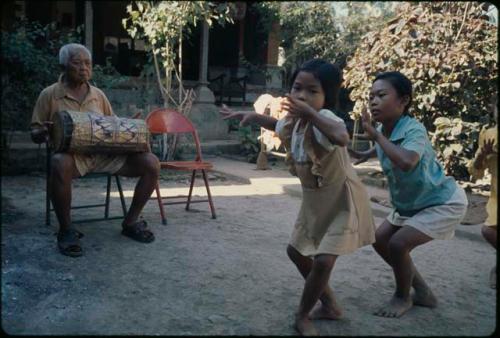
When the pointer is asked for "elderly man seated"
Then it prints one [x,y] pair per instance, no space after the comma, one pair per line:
[74,92]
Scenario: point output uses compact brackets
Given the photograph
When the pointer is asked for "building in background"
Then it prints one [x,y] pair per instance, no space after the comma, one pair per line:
[105,36]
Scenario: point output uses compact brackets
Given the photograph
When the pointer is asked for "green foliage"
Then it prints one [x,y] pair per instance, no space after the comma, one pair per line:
[30,62]
[268,13]
[308,30]
[317,30]
[454,140]
[249,143]
[29,57]
[163,25]
[449,52]
[361,18]
[107,76]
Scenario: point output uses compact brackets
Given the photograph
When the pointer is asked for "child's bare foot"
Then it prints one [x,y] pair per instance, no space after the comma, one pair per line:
[424,297]
[493,278]
[305,326]
[396,307]
[321,311]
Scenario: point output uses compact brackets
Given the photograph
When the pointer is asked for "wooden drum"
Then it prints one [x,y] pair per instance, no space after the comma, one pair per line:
[86,132]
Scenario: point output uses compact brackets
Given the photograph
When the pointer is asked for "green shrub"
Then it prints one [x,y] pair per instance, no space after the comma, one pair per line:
[249,142]
[449,52]
[29,58]
[30,62]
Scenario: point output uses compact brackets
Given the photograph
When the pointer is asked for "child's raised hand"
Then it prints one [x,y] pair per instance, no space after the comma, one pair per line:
[243,117]
[488,147]
[297,108]
[368,127]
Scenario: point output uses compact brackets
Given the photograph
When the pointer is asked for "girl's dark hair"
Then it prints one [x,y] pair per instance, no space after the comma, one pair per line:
[400,83]
[329,75]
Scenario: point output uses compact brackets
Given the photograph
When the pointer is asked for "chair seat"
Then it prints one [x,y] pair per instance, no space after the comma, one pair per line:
[186,165]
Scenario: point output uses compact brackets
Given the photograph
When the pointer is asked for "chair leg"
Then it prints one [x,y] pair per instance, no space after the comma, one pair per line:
[47,189]
[108,192]
[160,204]
[47,202]
[208,193]
[191,189]
[122,198]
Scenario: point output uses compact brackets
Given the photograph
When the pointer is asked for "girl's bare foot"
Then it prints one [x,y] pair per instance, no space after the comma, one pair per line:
[305,326]
[424,297]
[493,278]
[321,311]
[396,307]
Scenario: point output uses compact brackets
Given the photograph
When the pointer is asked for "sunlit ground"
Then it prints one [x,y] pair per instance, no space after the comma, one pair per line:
[257,186]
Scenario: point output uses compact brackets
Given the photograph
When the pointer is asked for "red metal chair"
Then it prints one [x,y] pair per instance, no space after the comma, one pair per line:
[168,121]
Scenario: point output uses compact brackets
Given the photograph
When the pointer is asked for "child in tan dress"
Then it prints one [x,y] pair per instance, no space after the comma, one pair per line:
[335,216]
[486,157]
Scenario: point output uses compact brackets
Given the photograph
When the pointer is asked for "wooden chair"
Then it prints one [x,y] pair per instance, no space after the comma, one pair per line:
[106,203]
[168,121]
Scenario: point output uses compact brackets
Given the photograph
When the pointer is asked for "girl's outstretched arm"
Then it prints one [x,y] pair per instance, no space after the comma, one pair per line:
[246,118]
[404,159]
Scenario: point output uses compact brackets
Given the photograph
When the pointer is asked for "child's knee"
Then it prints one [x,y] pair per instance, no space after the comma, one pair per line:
[324,262]
[397,247]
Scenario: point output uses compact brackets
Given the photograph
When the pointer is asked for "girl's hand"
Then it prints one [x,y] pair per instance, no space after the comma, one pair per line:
[488,147]
[368,127]
[484,151]
[244,117]
[297,108]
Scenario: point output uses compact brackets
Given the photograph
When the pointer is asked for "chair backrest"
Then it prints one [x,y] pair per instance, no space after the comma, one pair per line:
[169,121]
[164,120]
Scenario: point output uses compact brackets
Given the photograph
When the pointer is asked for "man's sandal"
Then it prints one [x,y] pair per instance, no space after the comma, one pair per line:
[139,232]
[68,243]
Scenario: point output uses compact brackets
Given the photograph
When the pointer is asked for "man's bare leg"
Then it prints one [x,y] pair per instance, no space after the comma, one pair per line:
[147,167]
[62,172]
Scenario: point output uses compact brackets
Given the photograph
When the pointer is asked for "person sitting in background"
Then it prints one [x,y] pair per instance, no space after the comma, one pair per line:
[74,92]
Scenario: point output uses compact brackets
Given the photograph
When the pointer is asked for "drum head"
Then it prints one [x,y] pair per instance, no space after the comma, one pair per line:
[62,130]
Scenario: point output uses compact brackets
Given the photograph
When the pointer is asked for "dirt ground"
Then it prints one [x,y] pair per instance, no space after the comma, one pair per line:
[224,276]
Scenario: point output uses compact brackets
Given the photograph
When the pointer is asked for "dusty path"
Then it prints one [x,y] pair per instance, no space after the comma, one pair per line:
[228,276]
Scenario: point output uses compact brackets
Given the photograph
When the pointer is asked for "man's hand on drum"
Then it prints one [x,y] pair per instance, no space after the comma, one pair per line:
[41,134]
[245,118]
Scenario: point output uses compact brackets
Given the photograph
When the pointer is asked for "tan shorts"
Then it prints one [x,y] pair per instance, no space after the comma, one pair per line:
[99,163]
[439,221]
